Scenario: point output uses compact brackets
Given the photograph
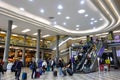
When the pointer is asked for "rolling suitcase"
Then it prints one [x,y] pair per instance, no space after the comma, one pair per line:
[55,73]
[37,75]
[24,76]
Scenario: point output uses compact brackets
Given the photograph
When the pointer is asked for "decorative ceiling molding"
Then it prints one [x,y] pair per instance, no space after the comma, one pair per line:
[107,8]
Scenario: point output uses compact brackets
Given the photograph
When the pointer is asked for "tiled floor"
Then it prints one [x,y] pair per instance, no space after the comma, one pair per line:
[111,75]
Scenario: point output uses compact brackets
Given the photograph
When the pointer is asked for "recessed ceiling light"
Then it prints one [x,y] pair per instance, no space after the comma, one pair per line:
[92,19]
[67,17]
[42,10]
[86,15]
[64,23]
[81,11]
[60,7]
[91,22]
[77,28]
[14,26]
[35,34]
[95,21]
[59,13]
[22,9]
[77,25]
[100,19]
[46,36]
[26,30]
[82,2]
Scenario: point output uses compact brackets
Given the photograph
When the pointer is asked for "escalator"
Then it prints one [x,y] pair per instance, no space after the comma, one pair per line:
[81,62]
[94,63]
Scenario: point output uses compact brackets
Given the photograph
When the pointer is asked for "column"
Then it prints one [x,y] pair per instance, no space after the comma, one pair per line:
[111,37]
[57,48]
[42,54]
[23,51]
[38,45]
[7,43]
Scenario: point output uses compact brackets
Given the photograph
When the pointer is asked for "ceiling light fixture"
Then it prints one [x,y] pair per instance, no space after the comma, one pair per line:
[60,7]
[35,34]
[64,23]
[86,15]
[67,17]
[14,26]
[82,2]
[81,11]
[91,22]
[34,39]
[95,21]
[59,13]
[14,35]
[22,9]
[42,10]
[92,19]
[2,32]
[46,36]
[31,0]
[26,30]
[77,25]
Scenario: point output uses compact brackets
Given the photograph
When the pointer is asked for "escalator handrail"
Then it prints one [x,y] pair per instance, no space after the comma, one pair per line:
[84,58]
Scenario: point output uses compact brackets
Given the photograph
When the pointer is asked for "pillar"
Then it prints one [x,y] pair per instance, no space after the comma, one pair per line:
[57,48]
[111,37]
[43,50]
[38,45]
[23,51]
[7,43]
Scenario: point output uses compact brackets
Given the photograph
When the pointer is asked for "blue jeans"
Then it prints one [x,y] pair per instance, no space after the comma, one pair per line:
[60,71]
[33,72]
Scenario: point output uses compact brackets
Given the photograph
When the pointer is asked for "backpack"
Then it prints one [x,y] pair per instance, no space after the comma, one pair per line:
[31,66]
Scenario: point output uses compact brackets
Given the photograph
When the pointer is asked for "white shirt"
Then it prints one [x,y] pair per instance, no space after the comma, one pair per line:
[44,64]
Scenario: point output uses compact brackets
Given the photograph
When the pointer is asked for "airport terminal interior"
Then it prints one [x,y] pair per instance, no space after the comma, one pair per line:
[59,39]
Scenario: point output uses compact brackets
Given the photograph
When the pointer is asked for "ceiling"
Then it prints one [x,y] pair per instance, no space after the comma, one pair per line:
[77,18]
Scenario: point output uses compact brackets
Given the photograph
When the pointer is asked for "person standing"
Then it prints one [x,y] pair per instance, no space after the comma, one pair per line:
[18,68]
[1,69]
[44,65]
[52,64]
[60,66]
[34,67]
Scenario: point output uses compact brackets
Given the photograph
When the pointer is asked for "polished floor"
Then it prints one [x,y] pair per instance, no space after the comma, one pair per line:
[111,75]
